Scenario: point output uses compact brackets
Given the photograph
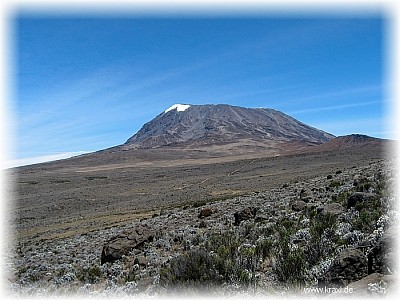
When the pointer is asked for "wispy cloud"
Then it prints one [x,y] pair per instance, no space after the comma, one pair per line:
[97,99]
[39,159]
[333,107]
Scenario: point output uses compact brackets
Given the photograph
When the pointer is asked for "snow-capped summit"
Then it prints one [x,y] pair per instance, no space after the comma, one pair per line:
[178,107]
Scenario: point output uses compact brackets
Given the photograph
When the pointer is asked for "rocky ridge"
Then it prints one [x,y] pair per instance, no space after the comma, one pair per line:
[267,228]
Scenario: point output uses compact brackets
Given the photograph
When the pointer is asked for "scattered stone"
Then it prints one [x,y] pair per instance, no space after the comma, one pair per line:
[331,208]
[141,261]
[43,267]
[306,195]
[299,205]
[382,257]
[245,214]
[205,212]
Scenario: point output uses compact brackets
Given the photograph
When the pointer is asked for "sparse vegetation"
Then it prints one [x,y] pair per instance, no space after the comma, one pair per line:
[90,274]
[322,231]
[194,268]
[290,264]
[96,177]
[276,246]
[335,183]
[341,198]
[231,261]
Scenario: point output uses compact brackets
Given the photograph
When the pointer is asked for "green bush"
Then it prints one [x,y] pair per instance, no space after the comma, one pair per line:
[322,231]
[291,264]
[194,268]
[367,219]
[341,198]
[335,183]
[263,248]
[364,187]
[224,259]
[90,274]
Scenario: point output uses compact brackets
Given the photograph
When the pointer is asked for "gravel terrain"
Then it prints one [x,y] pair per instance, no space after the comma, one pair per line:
[58,251]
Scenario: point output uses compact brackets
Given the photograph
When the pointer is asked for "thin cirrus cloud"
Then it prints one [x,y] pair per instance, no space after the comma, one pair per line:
[40,159]
[93,101]
[333,107]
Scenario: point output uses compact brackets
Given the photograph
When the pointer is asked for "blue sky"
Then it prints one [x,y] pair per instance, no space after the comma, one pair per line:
[88,83]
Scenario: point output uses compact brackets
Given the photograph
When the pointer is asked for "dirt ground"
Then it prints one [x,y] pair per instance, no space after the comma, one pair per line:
[115,187]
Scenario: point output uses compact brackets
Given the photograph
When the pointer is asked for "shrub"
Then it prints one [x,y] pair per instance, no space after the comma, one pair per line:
[322,231]
[263,248]
[194,268]
[90,274]
[335,183]
[363,187]
[341,198]
[367,219]
[290,263]
[225,259]
[285,226]
[291,266]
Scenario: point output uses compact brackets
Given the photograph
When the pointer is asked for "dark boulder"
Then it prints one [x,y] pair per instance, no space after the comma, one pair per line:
[305,195]
[360,197]
[123,243]
[299,205]
[382,257]
[331,208]
[350,265]
[205,212]
[245,214]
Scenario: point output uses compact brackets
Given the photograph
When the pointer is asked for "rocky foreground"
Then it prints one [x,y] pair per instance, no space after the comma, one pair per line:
[328,235]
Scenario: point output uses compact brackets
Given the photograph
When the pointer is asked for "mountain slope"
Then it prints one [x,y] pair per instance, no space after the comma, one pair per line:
[352,140]
[194,125]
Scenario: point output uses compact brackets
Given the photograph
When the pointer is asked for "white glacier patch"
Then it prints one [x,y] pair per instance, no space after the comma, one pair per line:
[178,107]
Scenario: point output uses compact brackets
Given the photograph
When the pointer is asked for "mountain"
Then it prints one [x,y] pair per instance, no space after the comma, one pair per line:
[352,140]
[204,125]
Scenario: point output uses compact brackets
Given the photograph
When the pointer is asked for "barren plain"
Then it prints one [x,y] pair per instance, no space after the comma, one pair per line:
[126,223]
[107,189]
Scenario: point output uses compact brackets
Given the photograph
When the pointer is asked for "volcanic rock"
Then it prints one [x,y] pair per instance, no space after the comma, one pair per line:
[123,243]
[245,214]
[382,257]
[206,212]
[332,208]
[350,265]
[299,205]
[360,197]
